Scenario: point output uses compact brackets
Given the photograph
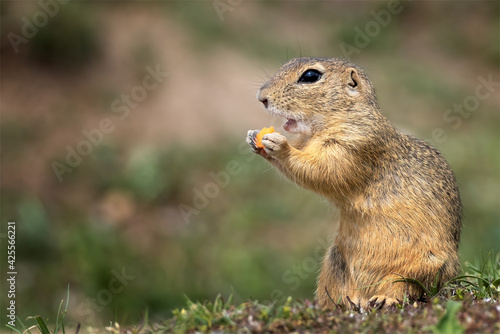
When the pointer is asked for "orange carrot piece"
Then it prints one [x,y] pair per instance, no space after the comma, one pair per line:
[258,138]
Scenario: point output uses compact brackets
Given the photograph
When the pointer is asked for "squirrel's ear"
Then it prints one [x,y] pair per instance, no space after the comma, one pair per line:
[353,81]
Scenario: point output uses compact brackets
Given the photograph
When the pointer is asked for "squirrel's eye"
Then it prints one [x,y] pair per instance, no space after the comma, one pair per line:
[310,76]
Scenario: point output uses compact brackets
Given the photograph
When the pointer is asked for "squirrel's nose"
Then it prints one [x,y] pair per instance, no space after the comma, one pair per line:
[264,101]
[262,97]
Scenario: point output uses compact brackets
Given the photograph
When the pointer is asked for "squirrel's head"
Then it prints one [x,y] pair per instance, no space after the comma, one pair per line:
[311,93]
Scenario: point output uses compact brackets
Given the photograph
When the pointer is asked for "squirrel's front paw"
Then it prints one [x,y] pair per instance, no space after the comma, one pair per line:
[275,144]
[251,140]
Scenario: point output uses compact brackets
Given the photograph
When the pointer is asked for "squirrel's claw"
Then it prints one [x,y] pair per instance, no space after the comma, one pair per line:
[379,302]
[251,140]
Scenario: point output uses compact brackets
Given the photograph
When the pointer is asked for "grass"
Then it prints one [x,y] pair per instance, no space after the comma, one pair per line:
[40,325]
[473,295]
[467,303]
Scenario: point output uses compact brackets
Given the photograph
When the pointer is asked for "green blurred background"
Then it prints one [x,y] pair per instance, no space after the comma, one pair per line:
[257,235]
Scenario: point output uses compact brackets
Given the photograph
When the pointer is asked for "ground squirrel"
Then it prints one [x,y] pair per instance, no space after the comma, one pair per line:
[398,197]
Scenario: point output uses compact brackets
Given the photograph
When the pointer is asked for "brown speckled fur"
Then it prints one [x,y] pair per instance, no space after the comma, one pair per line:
[398,197]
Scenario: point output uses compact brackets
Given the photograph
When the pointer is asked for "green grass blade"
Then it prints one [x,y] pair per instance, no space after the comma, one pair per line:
[414,281]
[486,262]
[41,325]
[145,323]
[67,300]
[461,277]
[56,330]
[435,287]
[65,311]
[23,326]
[229,301]
[14,329]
